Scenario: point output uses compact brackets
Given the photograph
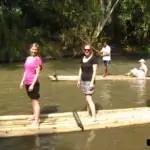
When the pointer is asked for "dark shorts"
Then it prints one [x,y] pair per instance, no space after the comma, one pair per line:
[35,93]
[106,62]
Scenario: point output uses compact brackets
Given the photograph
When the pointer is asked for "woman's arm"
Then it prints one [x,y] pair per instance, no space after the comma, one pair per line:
[22,81]
[94,73]
[79,76]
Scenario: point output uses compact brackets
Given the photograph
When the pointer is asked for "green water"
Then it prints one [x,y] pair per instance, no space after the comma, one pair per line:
[65,96]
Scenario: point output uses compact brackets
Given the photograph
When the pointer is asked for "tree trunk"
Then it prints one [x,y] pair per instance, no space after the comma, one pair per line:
[100,25]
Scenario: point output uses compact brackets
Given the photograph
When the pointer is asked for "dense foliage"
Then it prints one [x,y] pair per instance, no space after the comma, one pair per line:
[58,25]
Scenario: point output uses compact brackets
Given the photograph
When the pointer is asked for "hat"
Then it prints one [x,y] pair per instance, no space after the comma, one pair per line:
[87,47]
[142,61]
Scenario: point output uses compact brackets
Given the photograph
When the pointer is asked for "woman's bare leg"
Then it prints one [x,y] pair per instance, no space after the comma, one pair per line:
[105,71]
[88,109]
[36,111]
[32,118]
[91,105]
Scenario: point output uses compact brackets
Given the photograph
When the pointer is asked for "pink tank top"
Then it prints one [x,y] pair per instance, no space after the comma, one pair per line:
[30,68]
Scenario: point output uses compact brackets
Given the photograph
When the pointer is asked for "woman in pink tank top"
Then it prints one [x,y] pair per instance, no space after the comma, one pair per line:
[32,68]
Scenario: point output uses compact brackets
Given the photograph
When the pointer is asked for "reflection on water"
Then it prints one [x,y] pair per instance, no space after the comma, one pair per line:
[105,94]
[129,138]
[37,142]
[90,138]
[49,142]
[139,86]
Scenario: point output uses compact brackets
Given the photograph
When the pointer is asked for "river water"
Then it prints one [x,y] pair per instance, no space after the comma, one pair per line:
[65,96]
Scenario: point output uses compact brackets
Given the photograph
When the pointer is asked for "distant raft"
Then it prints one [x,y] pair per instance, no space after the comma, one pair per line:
[98,77]
[17,125]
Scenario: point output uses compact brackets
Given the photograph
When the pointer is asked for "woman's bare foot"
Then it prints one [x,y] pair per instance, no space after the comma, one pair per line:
[105,74]
[31,118]
[94,119]
[35,124]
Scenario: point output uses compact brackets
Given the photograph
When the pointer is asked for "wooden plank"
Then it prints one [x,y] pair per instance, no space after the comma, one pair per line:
[65,122]
[98,77]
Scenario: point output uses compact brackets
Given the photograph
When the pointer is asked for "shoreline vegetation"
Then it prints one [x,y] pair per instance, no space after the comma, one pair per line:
[58,25]
[117,51]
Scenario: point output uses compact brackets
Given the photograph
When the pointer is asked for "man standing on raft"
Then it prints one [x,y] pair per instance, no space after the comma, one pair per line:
[106,54]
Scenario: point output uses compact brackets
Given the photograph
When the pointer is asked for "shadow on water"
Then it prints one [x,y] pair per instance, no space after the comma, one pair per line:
[49,110]
[148,102]
[36,142]
[23,143]
[97,107]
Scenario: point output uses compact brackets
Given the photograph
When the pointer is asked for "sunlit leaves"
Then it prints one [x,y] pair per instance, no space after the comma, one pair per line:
[137,12]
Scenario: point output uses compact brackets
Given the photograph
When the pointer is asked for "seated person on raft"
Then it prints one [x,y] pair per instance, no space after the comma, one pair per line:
[139,73]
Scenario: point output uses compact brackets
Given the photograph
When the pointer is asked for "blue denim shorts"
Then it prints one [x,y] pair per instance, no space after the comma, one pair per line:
[106,62]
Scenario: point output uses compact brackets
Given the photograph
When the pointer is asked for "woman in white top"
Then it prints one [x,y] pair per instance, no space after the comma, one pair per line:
[141,72]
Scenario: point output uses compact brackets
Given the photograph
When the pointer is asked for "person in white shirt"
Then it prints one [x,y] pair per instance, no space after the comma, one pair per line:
[106,54]
[141,72]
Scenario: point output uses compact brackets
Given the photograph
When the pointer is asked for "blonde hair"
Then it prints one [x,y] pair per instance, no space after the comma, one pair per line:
[35,45]
[87,47]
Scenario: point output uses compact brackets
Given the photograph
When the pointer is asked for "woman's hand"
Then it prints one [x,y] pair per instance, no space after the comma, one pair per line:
[101,54]
[91,85]
[21,85]
[78,84]
[31,88]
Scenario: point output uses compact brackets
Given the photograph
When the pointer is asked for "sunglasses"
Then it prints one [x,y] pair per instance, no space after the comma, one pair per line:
[34,50]
[87,49]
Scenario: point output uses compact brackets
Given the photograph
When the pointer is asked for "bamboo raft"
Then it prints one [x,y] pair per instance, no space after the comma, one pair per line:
[98,77]
[18,125]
